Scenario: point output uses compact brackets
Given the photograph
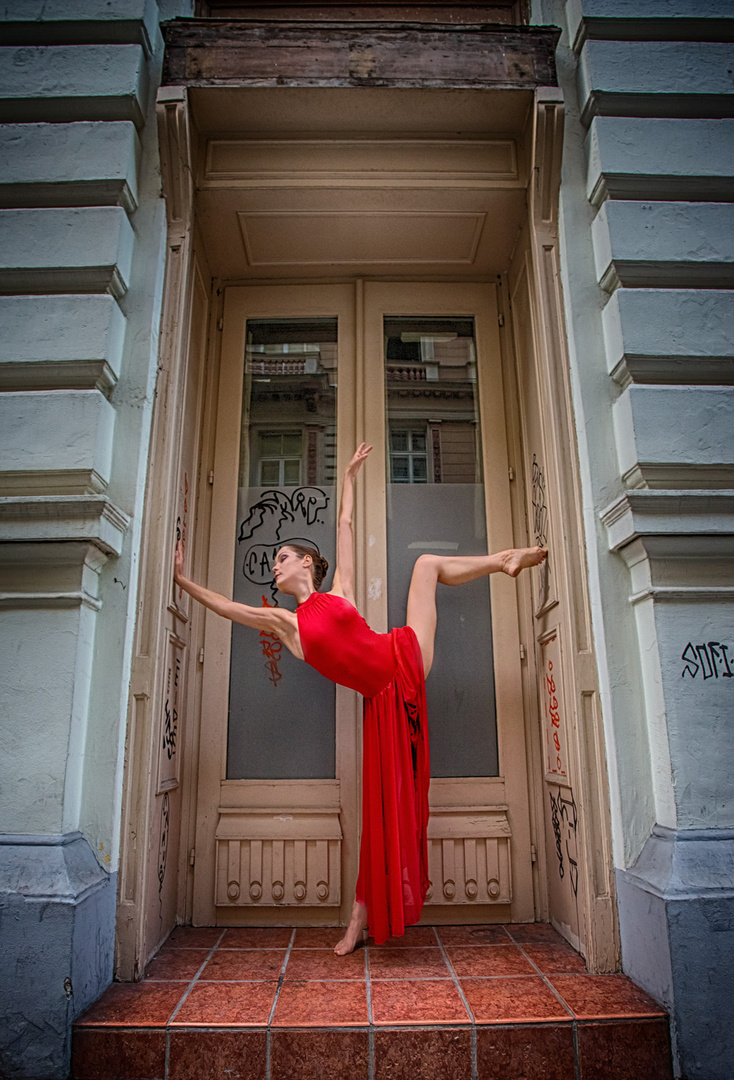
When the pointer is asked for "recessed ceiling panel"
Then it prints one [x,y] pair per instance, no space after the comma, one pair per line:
[349,238]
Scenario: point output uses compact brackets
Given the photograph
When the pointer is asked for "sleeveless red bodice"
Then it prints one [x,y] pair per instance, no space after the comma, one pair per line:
[387,669]
[340,645]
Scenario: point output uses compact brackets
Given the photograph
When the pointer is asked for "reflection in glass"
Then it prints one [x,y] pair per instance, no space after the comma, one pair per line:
[281,712]
[436,505]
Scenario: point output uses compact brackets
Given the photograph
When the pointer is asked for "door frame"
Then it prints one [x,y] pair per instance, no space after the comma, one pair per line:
[137,937]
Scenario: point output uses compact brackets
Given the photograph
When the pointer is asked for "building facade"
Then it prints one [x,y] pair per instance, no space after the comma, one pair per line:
[494,239]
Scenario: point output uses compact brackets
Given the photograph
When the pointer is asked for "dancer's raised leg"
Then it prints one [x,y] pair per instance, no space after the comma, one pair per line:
[353,935]
[430,570]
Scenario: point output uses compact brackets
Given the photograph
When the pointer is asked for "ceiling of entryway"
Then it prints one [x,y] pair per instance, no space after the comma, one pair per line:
[316,183]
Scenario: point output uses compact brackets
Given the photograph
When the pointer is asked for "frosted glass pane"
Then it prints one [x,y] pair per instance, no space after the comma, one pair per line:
[449,519]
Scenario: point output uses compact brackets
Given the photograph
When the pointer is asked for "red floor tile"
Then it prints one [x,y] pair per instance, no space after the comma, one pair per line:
[244,964]
[194,937]
[176,964]
[257,937]
[227,1005]
[217,1055]
[147,1004]
[423,1055]
[407,964]
[318,937]
[321,1004]
[473,935]
[527,1052]
[596,997]
[513,1000]
[625,1050]
[488,960]
[304,964]
[98,1054]
[555,959]
[319,1055]
[537,933]
[414,937]
[417,1002]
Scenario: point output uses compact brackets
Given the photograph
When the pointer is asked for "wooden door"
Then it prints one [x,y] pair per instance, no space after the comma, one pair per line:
[304,378]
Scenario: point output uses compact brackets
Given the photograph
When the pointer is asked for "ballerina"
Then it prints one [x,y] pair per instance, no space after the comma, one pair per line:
[389,670]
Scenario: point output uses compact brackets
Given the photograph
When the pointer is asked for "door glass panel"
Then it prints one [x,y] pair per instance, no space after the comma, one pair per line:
[436,505]
[281,712]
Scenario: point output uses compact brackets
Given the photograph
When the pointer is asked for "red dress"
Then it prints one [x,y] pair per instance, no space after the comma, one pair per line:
[387,669]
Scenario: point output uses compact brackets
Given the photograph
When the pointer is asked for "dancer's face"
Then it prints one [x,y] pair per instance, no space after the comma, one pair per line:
[291,571]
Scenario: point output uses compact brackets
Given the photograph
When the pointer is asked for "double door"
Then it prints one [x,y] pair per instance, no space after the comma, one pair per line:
[307,372]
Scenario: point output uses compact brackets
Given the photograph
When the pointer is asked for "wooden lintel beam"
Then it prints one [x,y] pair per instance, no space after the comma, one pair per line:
[204,52]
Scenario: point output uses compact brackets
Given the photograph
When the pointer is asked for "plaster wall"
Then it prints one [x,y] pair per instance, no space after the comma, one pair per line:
[81,276]
[646,227]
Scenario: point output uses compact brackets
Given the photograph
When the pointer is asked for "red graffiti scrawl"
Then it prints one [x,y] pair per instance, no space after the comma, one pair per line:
[271,646]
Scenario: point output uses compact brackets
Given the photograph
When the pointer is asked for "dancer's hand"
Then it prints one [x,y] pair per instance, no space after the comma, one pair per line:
[360,456]
[178,561]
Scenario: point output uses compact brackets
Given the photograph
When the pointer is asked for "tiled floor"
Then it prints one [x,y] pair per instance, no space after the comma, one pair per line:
[466,1003]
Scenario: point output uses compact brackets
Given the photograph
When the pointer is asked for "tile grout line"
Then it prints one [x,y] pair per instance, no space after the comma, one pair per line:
[370,1021]
[547,982]
[576,1058]
[188,990]
[190,987]
[466,1003]
[268,1033]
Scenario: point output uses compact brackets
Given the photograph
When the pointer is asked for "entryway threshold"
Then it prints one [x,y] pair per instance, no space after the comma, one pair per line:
[494,1002]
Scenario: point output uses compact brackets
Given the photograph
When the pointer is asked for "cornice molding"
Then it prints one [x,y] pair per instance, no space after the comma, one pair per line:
[685,513]
[93,519]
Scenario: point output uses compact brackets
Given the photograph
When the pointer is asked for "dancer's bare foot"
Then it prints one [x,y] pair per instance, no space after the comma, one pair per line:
[353,935]
[518,559]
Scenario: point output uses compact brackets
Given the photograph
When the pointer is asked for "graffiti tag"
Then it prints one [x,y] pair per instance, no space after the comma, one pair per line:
[709,659]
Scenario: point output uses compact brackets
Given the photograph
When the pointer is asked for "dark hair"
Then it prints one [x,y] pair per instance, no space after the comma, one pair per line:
[319,565]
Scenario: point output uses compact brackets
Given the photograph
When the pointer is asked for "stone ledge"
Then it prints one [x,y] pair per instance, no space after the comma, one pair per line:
[63,519]
[673,336]
[679,864]
[59,868]
[58,83]
[668,513]
[655,244]
[82,164]
[655,78]
[655,20]
[659,158]
[80,22]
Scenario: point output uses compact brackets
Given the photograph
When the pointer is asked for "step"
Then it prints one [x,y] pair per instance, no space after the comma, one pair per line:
[468,1002]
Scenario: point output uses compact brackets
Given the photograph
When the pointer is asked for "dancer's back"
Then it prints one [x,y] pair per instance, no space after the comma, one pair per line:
[337,641]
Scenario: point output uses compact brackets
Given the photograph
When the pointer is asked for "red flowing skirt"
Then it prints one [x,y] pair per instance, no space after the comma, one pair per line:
[393,861]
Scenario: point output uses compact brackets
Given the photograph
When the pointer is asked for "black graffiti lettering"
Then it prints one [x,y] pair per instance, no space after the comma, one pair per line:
[540,509]
[163,842]
[692,664]
[706,663]
[556,822]
[309,502]
[170,729]
[564,819]
[710,658]
[573,871]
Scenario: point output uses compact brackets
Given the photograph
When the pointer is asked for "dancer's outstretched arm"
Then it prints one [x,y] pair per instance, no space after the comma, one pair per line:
[258,618]
[344,573]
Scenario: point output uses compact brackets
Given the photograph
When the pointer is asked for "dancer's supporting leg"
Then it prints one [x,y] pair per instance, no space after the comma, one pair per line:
[431,570]
[353,933]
